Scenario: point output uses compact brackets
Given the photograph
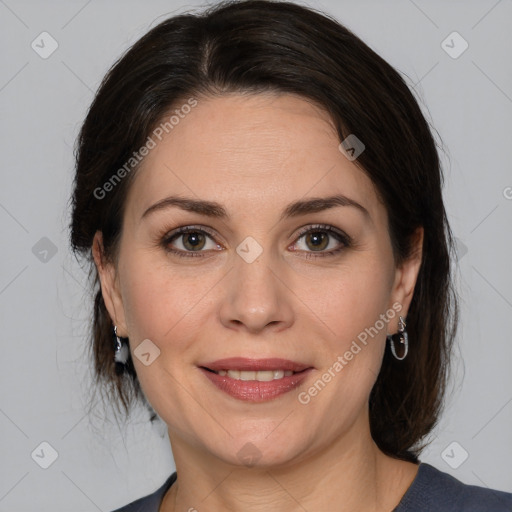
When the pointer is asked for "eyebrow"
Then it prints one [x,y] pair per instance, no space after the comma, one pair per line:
[295,209]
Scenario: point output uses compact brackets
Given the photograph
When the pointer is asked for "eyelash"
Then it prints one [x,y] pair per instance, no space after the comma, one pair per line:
[338,235]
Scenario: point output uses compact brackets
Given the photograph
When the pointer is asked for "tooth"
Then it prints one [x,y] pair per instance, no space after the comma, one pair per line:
[265,376]
[261,375]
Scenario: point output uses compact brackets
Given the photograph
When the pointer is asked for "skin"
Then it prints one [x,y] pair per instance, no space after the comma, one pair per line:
[254,155]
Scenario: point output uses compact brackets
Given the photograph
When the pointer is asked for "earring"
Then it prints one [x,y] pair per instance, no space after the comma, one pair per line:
[121,353]
[403,340]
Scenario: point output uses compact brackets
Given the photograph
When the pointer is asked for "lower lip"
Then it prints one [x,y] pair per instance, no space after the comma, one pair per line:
[253,390]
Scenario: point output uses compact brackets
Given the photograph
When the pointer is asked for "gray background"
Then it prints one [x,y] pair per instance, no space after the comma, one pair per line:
[45,375]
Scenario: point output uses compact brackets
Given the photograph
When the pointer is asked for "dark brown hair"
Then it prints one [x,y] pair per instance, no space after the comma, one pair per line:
[259,46]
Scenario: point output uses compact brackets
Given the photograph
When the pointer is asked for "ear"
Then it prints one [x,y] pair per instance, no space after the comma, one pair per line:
[405,278]
[109,285]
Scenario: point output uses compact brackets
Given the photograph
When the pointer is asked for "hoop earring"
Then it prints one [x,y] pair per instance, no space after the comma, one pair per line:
[121,353]
[403,340]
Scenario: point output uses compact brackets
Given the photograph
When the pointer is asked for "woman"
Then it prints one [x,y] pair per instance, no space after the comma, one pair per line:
[261,196]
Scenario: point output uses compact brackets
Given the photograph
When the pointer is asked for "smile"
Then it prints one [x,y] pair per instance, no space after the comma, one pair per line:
[261,376]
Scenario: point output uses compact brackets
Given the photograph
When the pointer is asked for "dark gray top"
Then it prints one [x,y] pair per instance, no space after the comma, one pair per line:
[431,491]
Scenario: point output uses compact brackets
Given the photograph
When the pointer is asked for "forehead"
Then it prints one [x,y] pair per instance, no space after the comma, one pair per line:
[240,149]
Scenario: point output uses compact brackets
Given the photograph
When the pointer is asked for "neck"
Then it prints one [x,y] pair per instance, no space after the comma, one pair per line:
[351,474]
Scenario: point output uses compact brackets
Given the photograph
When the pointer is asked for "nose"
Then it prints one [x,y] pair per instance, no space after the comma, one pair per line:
[257,297]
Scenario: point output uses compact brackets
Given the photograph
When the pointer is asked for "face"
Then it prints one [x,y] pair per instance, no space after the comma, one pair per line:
[256,278]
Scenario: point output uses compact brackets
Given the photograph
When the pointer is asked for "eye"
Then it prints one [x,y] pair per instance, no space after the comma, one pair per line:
[322,239]
[192,241]
[189,239]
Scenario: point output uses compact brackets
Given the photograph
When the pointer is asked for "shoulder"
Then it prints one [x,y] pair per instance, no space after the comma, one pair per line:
[434,490]
[151,502]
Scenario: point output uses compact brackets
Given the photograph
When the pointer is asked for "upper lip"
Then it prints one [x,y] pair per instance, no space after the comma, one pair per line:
[245,364]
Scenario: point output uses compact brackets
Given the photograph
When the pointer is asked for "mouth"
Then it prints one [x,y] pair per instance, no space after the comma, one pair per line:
[255,379]
[259,375]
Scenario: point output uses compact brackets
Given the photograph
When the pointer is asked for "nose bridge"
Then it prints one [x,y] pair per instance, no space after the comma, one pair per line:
[255,295]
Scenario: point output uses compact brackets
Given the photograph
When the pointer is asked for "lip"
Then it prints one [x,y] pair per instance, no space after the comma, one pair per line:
[246,364]
[253,390]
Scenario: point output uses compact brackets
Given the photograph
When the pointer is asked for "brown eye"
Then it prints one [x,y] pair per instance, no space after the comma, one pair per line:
[190,241]
[321,240]
[317,240]
[193,241]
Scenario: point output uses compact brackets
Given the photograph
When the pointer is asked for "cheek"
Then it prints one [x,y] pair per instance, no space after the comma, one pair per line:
[166,304]
[154,301]
[349,310]
[353,299]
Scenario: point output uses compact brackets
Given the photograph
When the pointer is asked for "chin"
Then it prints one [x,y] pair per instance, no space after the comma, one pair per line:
[259,453]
